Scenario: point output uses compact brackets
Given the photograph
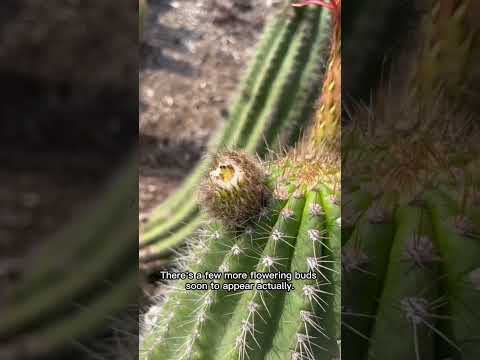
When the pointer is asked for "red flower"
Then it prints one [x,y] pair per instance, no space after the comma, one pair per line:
[329,4]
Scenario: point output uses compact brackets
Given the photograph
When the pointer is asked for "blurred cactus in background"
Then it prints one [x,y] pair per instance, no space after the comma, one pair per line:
[410,213]
[69,121]
[79,280]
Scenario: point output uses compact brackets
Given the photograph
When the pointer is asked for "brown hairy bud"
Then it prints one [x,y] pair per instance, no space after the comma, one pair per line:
[234,190]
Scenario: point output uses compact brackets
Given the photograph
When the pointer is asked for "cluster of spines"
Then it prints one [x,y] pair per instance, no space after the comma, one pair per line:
[307,324]
[289,60]
[302,235]
[258,308]
[297,241]
[233,251]
[446,35]
[416,264]
[412,246]
[326,131]
[159,321]
[235,190]
[420,120]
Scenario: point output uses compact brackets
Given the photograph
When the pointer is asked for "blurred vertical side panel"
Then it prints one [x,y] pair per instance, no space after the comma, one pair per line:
[68,179]
[411,180]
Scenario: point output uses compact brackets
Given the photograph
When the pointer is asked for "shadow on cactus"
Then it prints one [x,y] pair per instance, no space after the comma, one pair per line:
[274,102]
[265,224]
[411,225]
[269,220]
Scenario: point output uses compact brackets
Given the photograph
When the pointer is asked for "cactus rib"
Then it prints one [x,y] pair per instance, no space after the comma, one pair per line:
[294,72]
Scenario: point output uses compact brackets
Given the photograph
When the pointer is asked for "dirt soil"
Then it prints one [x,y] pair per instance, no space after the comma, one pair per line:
[66,124]
[193,54]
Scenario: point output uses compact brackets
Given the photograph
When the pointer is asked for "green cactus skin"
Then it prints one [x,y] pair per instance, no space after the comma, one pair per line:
[412,277]
[50,308]
[274,101]
[298,230]
[446,35]
[411,236]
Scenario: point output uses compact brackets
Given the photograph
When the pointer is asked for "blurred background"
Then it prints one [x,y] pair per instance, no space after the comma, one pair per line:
[66,96]
[67,123]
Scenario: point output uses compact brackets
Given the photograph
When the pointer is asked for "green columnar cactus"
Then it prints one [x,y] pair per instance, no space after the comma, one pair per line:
[292,229]
[275,219]
[446,35]
[51,308]
[413,276]
[411,253]
[274,102]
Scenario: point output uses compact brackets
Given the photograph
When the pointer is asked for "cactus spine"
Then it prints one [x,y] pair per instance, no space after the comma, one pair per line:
[273,103]
[411,249]
[289,223]
[296,230]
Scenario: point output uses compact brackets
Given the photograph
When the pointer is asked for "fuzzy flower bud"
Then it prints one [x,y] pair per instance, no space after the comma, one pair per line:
[234,190]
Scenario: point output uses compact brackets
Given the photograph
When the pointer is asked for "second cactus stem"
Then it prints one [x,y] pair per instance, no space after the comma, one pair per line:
[273,104]
[278,228]
[411,253]
[269,221]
